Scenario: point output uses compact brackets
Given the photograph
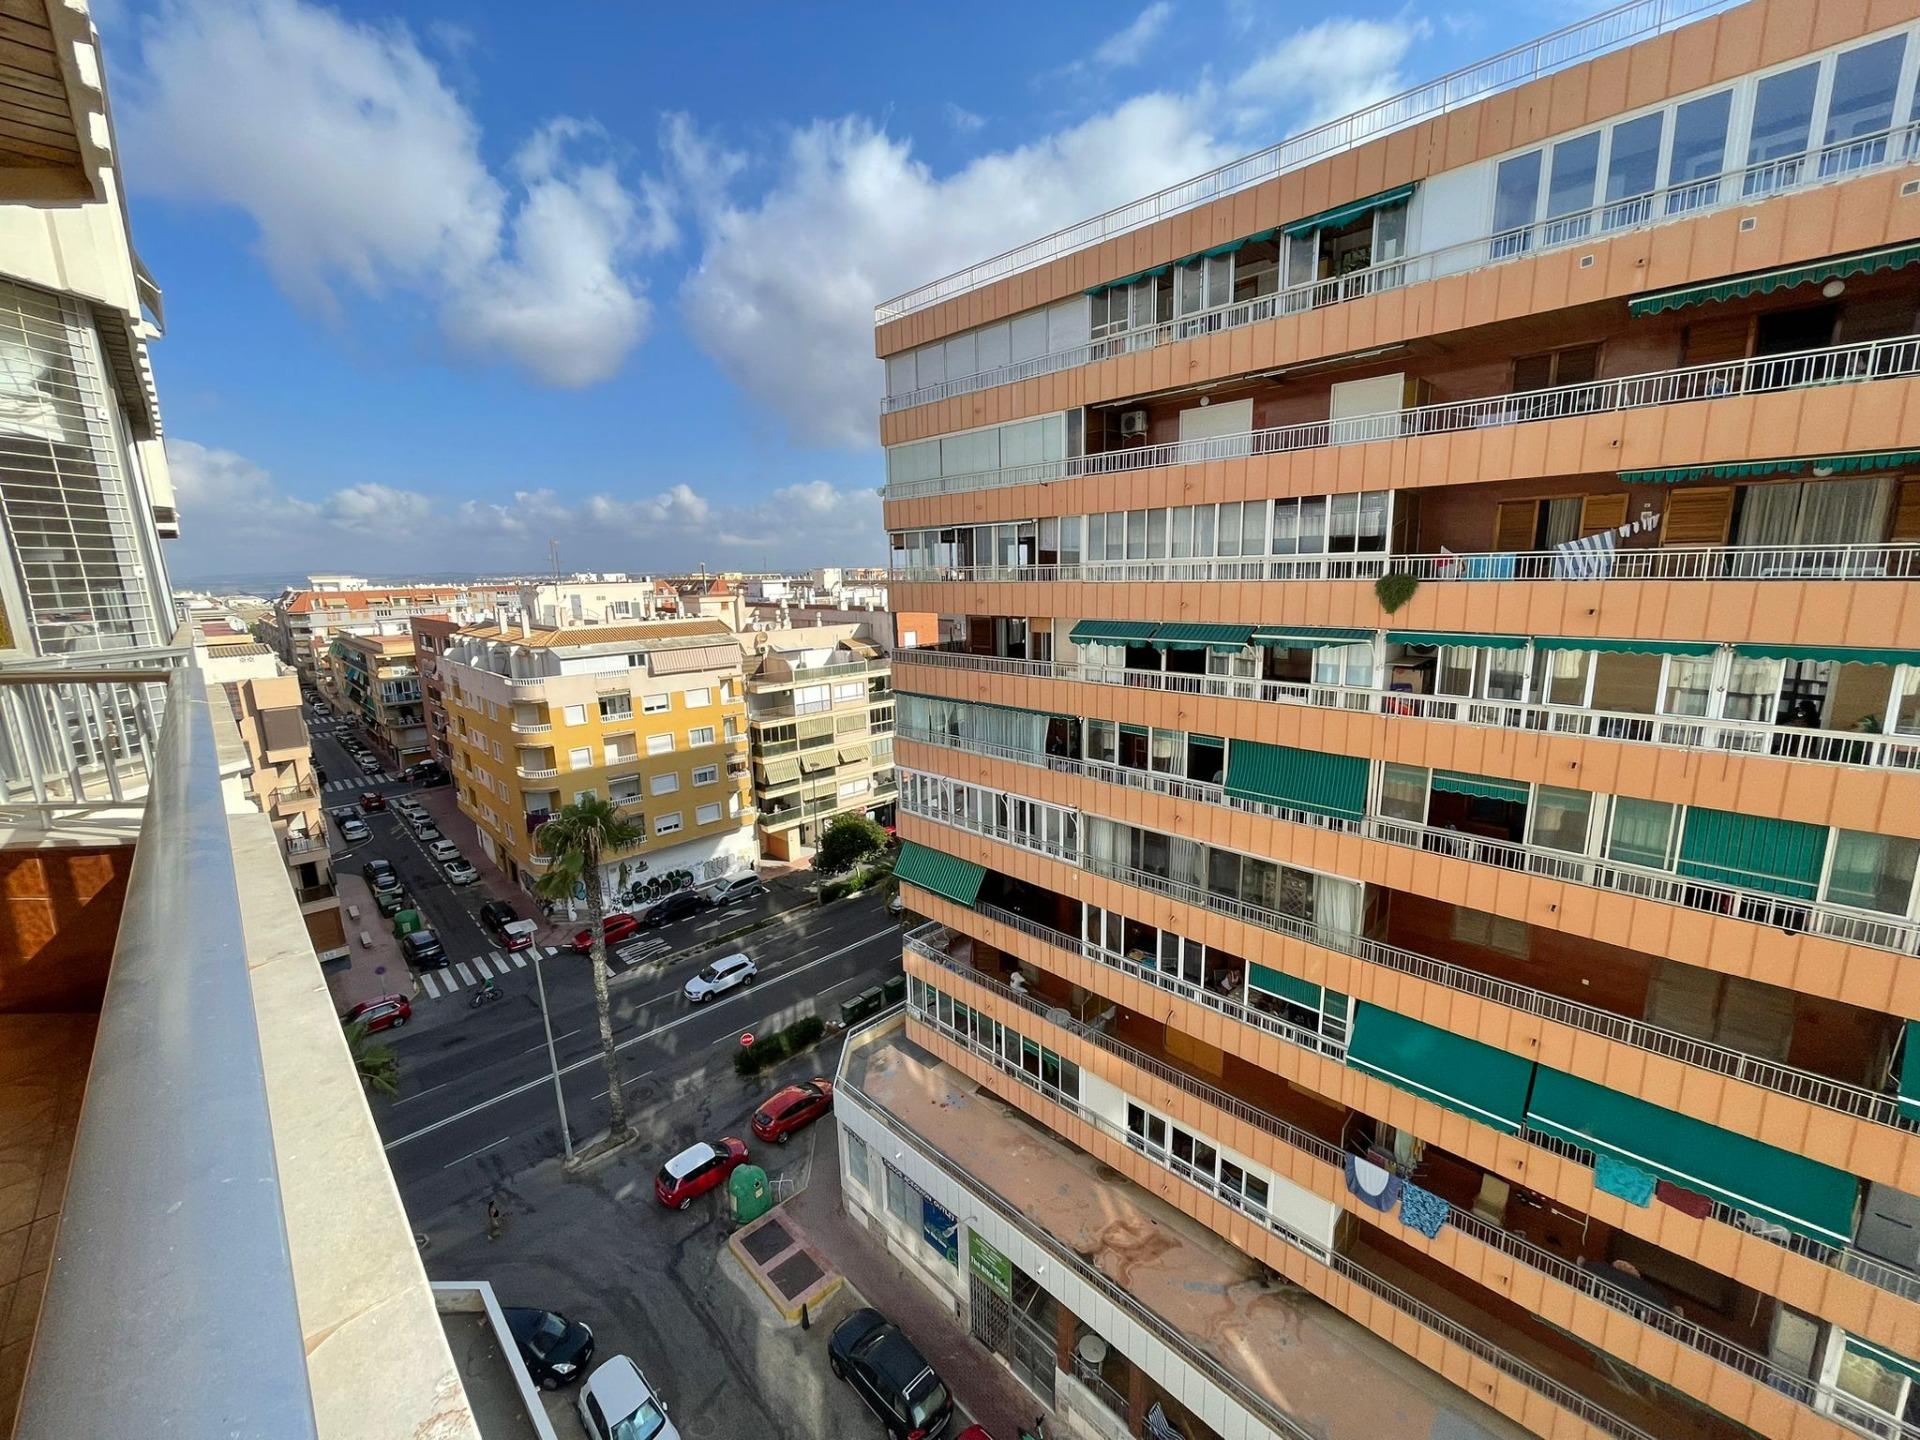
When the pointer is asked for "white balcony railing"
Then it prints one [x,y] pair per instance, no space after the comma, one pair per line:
[1759,375]
[1613,28]
[530,772]
[1848,160]
[520,728]
[78,741]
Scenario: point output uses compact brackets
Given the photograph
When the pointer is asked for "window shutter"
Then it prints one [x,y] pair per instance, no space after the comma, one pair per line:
[1714,342]
[1698,517]
[1514,524]
[1906,513]
[1602,512]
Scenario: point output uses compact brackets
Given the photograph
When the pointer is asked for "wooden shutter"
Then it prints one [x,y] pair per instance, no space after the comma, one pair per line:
[1716,341]
[1602,512]
[1906,511]
[1698,517]
[1515,522]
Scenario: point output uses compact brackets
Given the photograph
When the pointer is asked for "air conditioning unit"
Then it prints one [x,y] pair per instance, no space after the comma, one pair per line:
[1133,422]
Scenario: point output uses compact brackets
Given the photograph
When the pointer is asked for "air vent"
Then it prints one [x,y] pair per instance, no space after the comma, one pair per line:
[1912,187]
[1586,262]
[1749,222]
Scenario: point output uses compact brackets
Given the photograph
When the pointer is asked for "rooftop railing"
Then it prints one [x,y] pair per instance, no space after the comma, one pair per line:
[79,741]
[1620,26]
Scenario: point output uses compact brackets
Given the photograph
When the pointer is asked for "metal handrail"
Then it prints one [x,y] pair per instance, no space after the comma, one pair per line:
[1757,375]
[80,739]
[1619,26]
[162,1197]
[1590,1283]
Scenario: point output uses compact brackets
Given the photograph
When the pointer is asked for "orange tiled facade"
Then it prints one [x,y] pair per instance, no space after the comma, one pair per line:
[1423,689]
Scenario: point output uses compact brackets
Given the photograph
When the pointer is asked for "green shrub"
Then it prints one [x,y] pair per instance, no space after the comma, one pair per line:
[772,1049]
[1394,589]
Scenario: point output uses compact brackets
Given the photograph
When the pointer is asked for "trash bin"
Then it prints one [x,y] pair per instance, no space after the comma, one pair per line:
[895,990]
[867,1002]
[748,1194]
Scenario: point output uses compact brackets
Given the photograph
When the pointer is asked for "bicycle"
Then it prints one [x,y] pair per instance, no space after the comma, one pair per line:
[486,995]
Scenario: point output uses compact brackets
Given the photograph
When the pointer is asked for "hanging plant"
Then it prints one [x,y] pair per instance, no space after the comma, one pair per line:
[1394,589]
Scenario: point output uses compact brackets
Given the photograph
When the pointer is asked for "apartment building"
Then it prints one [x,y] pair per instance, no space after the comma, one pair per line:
[820,713]
[651,716]
[1416,819]
[305,621]
[595,599]
[431,635]
[378,683]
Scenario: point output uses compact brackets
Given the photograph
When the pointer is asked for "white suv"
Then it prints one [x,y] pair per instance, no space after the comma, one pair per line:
[720,977]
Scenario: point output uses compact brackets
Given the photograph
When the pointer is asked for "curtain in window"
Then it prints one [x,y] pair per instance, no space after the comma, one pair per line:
[1769,515]
[1642,833]
[1337,907]
[1560,818]
[1753,688]
[1872,872]
[1403,793]
[1845,512]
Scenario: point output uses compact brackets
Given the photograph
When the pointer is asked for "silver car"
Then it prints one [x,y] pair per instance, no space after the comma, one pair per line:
[720,977]
[617,1403]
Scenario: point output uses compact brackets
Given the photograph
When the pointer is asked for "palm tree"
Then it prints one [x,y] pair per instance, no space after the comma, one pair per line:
[379,1067]
[574,841]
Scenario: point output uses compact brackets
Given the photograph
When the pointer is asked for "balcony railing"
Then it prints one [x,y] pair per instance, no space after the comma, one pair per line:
[924,942]
[306,844]
[764,680]
[531,772]
[1847,160]
[780,819]
[1606,31]
[526,729]
[1804,1085]
[1685,732]
[1761,375]
[78,741]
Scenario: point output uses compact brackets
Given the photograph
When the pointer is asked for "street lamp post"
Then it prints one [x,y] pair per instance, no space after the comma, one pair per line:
[553,1058]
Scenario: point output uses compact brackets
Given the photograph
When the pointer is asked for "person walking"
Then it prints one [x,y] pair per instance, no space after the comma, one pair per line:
[496,1219]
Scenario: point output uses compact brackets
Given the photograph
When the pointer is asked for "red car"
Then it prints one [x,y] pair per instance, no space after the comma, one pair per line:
[696,1170]
[373,800]
[618,928]
[792,1110]
[388,1012]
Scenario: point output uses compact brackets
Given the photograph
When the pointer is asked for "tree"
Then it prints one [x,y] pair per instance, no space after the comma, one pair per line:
[379,1067]
[847,840]
[574,841]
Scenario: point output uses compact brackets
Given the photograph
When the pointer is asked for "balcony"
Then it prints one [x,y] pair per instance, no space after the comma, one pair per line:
[306,844]
[1850,160]
[774,817]
[535,772]
[77,745]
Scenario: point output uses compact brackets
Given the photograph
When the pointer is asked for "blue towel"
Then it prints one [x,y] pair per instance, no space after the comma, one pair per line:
[1616,1177]
[1423,1210]
[1372,1184]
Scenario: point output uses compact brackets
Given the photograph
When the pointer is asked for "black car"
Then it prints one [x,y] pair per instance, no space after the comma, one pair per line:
[380,875]
[676,906]
[868,1352]
[555,1348]
[496,915]
[424,950]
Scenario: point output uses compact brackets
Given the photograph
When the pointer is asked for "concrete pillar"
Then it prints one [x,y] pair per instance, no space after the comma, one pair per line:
[1136,1399]
[1065,1323]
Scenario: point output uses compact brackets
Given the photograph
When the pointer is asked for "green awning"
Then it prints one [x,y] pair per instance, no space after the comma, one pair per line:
[1352,210]
[1278,982]
[1126,280]
[1310,780]
[1112,632]
[1627,647]
[1754,852]
[1834,654]
[1229,639]
[1481,642]
[945,875]
[1761,469]
[1880,1355]
[1231,247]
[1799,1193]
[1310,637]
[1910,1073]
[1896,257]
[1476,1080]
[1481,787]
[783,771]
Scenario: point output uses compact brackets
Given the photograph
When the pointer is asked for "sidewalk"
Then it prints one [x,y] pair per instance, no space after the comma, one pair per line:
[372,971]
[979,1380]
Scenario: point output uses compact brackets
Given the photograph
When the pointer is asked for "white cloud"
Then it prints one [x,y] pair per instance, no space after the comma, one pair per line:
[963,120]
[1318,74]
[1130,46]
[362,170]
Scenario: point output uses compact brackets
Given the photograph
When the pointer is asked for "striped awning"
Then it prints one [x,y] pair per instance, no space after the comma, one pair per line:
[1479,642]
[1831,654]
[1481,787]
[945,875]
[1627,647]
[1126,280]
[1113,632]
[1229,639]
[1351,211]
[1761,469]
[1309,637]
[1895,257]
[1229,248]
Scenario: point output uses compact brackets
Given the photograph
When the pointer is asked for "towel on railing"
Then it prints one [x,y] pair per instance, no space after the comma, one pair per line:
[1423,1210]
[1616,1177]
[1374,1185]
[1588,558]
[1489,567]
[1687,1202]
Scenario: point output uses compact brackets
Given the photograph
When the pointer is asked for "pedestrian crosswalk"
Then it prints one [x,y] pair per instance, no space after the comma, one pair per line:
[465,973]
[358,782]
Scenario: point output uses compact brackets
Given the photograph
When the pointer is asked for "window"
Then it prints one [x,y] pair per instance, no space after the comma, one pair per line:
[1491,932]
[701,735]
[498,754]
[1633,165]
[667,824]
[903,1201]
[616,707]
[1576,365]
[1516,194]
[1698,152]
[1576,166]
[656,704]
[856,1151]
[1642,833]
[707,814]
[1782,124]
[706,774]
[1872,872]
[576,714]
[580,758]
[664,784]
[1860,109]
[1403,793]
[660,744]
[1561,818]
[699,697]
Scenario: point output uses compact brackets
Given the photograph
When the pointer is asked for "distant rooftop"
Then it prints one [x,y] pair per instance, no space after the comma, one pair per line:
[637,633]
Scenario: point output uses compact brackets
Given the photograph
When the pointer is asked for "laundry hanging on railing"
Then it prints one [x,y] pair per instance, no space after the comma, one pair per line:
[1423,1210]
[1588,558]
[1374,1185]
[1616,1177]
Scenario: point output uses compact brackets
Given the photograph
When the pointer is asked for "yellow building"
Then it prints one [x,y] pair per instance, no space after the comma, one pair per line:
[651,716]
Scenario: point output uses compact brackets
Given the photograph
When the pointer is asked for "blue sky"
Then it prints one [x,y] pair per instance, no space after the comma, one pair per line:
[449,281]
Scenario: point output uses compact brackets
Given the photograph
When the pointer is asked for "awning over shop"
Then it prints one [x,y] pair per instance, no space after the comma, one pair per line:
[1481,787]
[1761,469]
[1351,211]
[1477,1080]
[1478,642]
[945,875]
[1832,654]
[1310,780]
[1754,852]
[1627,647]
[1229,639]
[1113,632]
[1309,637]
[1773,1184]
[1126,280]
[1895,257]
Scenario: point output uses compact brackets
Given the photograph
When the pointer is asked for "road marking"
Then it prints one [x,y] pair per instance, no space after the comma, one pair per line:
[553,950]
[426,978]
[543,1044]
[466,976]
[471,1153]
[891,933]
[498,963]
[480,966]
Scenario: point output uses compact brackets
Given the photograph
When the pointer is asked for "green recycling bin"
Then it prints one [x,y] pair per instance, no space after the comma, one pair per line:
[895,990]
[748,1194]
[406,922]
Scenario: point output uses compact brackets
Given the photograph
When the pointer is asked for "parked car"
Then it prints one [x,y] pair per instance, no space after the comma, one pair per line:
[496,915]
[380,874]
[441,850]
[343,813]
[373,800]
[460,871]
[676,906]
[354,830]
[369,764]
[789,1111]
[736,887]
[428,772]
[617,927]
[424,950]
[617,1403]
[518,936]
[696,1170]
[428,833]
[868,1351]
[556,1350]
[392,902]
[721,976]
[387,1012]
